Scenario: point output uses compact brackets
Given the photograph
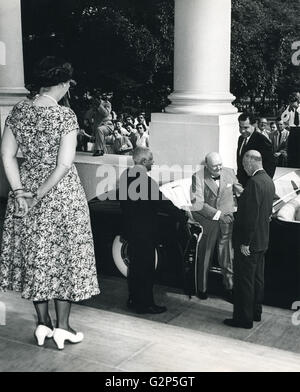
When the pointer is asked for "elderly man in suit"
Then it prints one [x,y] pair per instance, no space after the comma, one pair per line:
[212,196]
[251,239]
[140,201]
[250,139]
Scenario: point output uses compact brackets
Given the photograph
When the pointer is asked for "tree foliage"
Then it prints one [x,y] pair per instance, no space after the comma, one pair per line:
[127,46]
[262,34]
[121,45]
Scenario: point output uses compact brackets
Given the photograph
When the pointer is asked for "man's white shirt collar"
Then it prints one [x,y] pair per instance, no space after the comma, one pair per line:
[257,171]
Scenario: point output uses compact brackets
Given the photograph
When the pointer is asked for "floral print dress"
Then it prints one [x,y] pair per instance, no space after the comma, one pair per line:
[48,254]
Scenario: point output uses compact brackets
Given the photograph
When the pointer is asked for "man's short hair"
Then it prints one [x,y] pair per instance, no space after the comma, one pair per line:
[245,116]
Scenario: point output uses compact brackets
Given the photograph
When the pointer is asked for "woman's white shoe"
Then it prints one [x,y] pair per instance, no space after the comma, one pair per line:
[41,333]
[61,335]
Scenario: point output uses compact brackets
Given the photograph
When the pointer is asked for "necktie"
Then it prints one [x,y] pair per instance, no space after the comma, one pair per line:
[243,145]
[296,120]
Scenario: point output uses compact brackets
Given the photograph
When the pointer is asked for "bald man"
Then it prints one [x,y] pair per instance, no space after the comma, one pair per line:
[251,240]
[212,195]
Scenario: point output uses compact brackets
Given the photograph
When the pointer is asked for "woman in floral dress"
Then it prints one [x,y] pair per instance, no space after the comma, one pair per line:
[47,248]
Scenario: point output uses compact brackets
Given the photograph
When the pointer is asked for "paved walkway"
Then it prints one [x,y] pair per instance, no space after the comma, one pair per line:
[189,337]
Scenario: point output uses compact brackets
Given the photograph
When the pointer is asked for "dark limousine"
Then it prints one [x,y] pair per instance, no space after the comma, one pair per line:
[176,250]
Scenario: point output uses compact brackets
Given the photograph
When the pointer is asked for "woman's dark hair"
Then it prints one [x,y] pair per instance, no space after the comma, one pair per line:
[52,71]
[141,125]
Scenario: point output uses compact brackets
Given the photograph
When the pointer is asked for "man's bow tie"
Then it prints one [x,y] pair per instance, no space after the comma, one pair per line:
[216,178]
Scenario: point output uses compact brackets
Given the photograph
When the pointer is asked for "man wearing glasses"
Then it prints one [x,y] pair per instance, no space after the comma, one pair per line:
[262,127]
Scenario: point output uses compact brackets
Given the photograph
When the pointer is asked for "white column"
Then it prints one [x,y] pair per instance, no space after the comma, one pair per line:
[11,53]
[201,117]
[202,58]
[12,87]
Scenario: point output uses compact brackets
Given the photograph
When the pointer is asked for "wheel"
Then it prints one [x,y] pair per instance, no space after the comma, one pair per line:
[121,257]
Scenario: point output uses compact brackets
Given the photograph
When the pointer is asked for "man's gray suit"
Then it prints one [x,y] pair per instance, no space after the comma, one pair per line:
[207,199]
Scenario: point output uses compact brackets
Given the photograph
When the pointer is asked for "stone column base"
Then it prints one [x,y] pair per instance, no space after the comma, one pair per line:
[185,139]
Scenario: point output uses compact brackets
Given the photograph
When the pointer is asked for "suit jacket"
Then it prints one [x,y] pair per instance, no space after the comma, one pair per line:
[259,143]
[279,141]
[251,226]
[207,198]
[140,201]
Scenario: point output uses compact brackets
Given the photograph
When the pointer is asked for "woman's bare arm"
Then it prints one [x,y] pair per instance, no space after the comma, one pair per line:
[9,149]
[65,159]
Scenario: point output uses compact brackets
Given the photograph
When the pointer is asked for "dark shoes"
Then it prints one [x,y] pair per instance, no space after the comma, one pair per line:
[257,318]
[238,324]
[151,309]
[98,153]
[202,295]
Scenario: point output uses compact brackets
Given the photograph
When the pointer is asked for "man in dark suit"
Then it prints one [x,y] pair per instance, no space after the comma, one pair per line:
[140,200]
[251,239]
[253,140]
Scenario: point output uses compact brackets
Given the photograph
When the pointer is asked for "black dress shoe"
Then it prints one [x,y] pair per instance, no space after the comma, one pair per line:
[152,309]
[238,324]
[257,318]
[98,153]
[202,295]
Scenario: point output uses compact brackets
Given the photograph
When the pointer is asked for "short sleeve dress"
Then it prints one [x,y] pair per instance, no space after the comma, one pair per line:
[48,254]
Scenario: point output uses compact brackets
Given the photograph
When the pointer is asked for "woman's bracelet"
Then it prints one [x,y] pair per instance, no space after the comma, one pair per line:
[16,190]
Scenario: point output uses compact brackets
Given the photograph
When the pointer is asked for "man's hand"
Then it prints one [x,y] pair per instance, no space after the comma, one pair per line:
[237,189]
[226,218]
[245,250]
[283,153]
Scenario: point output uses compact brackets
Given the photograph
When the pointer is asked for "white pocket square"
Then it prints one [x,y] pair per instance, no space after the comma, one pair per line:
[228,185]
